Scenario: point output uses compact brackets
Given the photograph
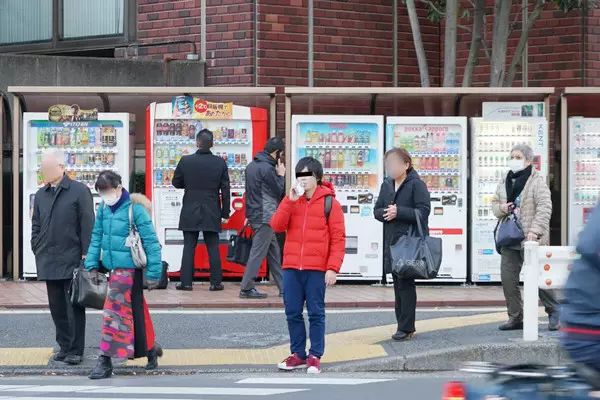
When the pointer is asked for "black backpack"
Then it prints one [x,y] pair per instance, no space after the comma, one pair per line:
[328,203]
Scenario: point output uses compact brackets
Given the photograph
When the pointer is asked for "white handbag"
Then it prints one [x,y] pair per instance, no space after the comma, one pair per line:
[134,242]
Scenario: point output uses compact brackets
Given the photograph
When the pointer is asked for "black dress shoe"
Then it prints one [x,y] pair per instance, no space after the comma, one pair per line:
[60,356]
[216,288]
[252,294]
[511,325]
[400,336]
[103,368]
[73,359]
[153,355]
[184,288]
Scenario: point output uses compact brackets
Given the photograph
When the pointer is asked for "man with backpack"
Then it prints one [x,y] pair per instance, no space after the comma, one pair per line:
[265,186]
[314,251]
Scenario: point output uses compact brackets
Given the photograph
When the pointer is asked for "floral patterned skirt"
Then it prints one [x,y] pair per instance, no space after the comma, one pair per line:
[127,329]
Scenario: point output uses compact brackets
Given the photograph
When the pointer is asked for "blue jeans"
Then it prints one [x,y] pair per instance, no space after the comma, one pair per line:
[308,287]
[583,351]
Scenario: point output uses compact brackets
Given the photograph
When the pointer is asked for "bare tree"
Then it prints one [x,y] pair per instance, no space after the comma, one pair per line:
[476,41]
[450,43]
[418,42]
[500,41]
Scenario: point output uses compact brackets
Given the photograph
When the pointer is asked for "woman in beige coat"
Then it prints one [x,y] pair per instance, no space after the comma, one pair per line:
[524,192]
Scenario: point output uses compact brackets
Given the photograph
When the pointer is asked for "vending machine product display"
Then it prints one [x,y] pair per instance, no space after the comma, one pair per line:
[351,151]
[239,133]
[89,147]
[439,152]
[491,146]
[584,172]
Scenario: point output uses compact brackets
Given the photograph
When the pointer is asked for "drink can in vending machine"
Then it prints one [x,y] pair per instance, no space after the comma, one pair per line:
[238,159]
[158,177]
[244,134]
[231,134]
[244,159]
[230,159]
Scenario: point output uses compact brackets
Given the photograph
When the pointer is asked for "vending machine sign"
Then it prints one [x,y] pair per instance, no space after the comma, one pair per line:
[197,108]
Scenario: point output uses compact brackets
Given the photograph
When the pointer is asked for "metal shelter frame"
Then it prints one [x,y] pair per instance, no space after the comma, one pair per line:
[104,93]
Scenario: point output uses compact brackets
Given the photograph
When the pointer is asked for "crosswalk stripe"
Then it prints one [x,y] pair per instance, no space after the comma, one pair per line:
[309,381]
[80,398]
[213,391]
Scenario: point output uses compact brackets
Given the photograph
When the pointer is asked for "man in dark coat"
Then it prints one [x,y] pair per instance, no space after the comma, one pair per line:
[206,205]
[62,223]
[265,187]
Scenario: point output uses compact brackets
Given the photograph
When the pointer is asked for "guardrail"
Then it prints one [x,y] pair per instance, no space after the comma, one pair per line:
[545,267]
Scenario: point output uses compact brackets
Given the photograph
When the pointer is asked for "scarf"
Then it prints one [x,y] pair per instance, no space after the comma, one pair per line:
[514,189]
[124,197]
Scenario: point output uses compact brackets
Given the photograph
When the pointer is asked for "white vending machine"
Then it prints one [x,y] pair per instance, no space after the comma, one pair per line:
[490,152]
[89,147]
[438,146]
[584,170]
[351,151]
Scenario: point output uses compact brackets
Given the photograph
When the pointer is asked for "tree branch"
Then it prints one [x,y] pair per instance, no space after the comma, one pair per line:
[430,4]
[418,42]
[476,42]
[464,28]
[518,55]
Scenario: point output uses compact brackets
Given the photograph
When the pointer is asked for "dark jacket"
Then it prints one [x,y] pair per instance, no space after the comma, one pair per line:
[581,307]
[205,179]
[264,189]
[411,195]
[62,224]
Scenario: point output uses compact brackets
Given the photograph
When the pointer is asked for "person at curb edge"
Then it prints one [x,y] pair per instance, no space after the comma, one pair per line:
[400,195]
[265,187]
[127,329]
[61,203]
[313,254]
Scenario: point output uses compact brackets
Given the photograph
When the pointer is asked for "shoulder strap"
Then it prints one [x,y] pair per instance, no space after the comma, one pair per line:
[328,203]
[131,221]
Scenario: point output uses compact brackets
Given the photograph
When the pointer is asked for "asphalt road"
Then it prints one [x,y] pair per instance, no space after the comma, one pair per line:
[212,329]
[284,386]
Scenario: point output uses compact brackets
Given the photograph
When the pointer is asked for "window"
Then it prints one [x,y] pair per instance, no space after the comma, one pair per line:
[25,21]
[52,26]
[89,18]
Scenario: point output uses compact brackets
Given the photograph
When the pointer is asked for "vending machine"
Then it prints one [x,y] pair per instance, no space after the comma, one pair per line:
[584,169]
[438,146]
[239,133]
[351,151]
[89,146]
[492,142]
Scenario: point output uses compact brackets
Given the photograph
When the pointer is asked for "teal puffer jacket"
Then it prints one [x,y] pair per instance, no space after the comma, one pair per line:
[111,230]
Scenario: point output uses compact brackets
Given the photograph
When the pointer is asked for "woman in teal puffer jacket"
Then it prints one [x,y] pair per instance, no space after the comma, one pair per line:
[127,329]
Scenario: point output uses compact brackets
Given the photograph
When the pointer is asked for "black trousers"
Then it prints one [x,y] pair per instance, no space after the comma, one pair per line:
[190,241]
[405,293]
[69,320]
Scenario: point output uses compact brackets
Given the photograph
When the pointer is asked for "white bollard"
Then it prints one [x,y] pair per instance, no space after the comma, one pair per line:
[531,291]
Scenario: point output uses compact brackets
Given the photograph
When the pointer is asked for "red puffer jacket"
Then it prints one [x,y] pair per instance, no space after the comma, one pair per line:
[311,242]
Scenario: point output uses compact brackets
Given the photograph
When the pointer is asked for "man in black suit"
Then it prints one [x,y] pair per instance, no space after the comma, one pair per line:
[206,205]
[62,222]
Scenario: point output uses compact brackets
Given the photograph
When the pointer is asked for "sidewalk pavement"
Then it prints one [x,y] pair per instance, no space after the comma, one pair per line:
[32,295]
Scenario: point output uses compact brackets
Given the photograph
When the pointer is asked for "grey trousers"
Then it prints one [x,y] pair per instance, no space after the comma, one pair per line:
[511,264]
[264,244]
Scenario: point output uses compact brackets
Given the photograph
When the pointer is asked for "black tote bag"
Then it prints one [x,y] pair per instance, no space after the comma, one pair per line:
[88,289]
[239,247]
[508,232]
[416,256]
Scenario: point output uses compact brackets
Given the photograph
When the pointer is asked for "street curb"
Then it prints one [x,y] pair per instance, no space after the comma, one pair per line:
[263,304]
[547,352]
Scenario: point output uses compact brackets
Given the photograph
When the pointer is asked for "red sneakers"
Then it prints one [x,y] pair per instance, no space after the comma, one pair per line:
[314,365]
[292,362]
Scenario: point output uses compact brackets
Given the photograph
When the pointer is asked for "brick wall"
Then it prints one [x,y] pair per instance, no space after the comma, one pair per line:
[592,49]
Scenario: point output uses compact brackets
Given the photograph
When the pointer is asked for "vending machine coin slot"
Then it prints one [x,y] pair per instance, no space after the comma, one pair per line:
[438,211]
[351,244]
[365,198]
[449,200]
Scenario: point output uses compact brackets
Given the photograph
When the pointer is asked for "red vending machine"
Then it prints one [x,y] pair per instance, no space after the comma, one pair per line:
[239,133]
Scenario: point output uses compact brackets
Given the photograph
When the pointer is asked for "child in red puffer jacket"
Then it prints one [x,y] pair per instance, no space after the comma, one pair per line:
[314,250]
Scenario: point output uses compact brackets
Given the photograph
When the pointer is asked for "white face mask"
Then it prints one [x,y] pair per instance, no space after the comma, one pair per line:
[516,165]
[110,199]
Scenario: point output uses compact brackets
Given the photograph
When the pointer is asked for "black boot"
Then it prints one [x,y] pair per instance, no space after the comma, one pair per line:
[153,355]
[401,336]
[103,368]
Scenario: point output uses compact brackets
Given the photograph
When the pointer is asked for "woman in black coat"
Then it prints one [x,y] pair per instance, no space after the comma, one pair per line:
[401,194]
